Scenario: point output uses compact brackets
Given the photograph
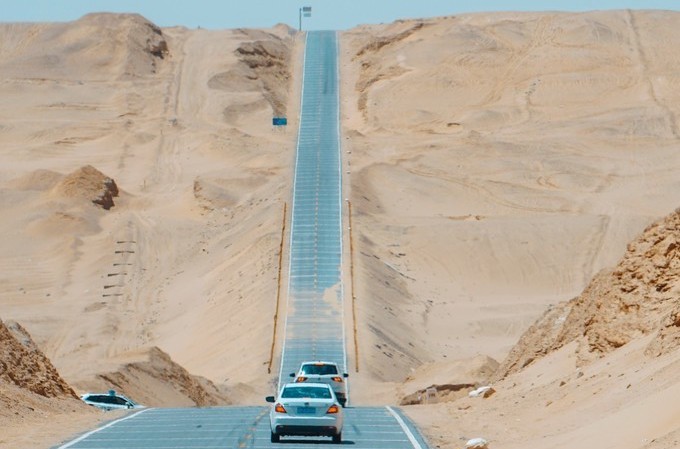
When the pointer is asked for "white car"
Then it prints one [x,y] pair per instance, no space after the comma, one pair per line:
[109,401]
[323,372]
[308,409]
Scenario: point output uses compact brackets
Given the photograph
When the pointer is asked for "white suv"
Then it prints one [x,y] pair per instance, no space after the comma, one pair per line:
[325,373]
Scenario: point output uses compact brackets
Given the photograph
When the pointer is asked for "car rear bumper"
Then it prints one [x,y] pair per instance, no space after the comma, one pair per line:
[321,425]
[306,430]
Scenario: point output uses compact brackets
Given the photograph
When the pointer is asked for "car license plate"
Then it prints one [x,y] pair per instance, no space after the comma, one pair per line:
[306,410]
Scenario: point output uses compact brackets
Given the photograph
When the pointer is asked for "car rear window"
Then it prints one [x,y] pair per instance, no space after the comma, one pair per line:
[319,370]
[107,399]
[306,392]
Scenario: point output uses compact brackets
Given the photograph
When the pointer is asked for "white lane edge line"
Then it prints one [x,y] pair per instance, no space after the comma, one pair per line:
[292,219]
[338,132]
[82,437]
[405,428]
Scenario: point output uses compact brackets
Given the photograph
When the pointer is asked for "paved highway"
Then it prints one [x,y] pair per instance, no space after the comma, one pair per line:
[240,427]
[314,324]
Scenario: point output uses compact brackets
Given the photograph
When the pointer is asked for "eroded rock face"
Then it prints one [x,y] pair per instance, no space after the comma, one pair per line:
[438,393]
[448,381]
[638,297]
[264,67]
[24,365]
[89,183]
[100,45]
[160,381]
[267,62]
[129,37]
[373,68]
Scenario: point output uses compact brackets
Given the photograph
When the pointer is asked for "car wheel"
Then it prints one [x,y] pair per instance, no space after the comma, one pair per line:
[275,438]
[337,439]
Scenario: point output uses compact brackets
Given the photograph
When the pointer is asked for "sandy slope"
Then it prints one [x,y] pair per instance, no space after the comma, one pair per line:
[498,163]
[186,260]
[495,163]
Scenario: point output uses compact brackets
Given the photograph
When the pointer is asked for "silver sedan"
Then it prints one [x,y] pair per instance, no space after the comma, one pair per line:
[309,409]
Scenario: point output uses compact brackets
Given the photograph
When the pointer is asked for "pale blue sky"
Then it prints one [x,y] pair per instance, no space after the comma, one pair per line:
[327,14]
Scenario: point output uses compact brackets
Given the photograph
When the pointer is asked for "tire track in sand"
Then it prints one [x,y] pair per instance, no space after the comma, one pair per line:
[643,65]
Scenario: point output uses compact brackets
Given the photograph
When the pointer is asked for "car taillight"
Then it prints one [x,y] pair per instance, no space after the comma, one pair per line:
[278,408]
[301,379]
[333,409]
[337,379]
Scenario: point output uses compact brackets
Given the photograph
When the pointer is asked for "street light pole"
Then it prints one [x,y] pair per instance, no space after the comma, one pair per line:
[305,11]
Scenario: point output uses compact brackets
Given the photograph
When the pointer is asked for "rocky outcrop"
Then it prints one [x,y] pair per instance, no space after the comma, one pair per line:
[25,366]
[264,66]
[101,45]
[160,381]
[89,183]
[447,381]
[639,297]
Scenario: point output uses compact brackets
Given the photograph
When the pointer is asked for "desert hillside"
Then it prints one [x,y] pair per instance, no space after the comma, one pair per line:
[142,188]
[23,365]
[499,166]
[599,369]
[636,299]
[495,165]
